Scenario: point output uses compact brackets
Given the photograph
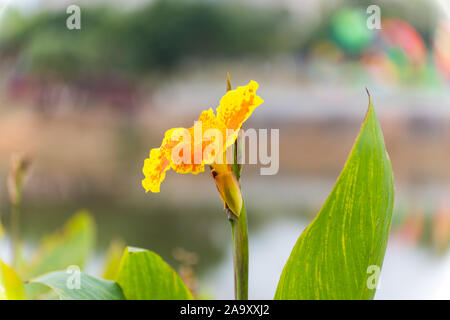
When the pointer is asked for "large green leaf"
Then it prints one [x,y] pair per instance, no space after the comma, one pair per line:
[143,275]
[69,246]
[112,260]
[344,246]
[68,287]
[11,287]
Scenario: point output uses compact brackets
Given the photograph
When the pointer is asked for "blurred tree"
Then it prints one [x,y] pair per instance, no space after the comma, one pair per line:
[155,37]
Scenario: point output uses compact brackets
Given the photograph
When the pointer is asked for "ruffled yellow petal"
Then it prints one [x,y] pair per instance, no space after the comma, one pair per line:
[154,169]
[237,105]
[214,142]
[191,165]
[172,144]
[159,162]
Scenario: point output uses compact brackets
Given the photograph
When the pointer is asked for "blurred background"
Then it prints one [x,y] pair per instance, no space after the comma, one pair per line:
[87,105]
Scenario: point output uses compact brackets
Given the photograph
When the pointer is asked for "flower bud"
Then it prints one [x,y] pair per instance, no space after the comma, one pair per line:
[228,187]
[19,166]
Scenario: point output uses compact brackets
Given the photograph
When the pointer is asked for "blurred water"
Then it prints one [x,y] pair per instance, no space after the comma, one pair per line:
[413,273]
[409,272]
[269,250]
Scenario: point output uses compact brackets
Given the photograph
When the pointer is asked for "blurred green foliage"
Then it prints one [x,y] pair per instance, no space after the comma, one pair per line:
[158,36]
[70,245]
[350,31]
[154,37]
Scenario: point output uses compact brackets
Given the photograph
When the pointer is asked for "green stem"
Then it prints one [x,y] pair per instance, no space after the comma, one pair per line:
[19,165]
[239,232]
[15,213]
[240,254]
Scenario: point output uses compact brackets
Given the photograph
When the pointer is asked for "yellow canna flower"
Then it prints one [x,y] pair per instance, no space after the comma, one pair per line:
[189,150]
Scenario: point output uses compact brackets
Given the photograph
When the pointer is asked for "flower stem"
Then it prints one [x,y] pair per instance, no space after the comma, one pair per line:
[240,254]
[19,165]
[15,214]
[239,232]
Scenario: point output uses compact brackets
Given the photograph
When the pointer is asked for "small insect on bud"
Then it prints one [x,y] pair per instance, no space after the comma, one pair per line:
[228,188]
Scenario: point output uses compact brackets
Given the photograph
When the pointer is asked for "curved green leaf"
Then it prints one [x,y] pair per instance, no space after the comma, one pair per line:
[77,285]
[143,275]
[11,287]
[343,248]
